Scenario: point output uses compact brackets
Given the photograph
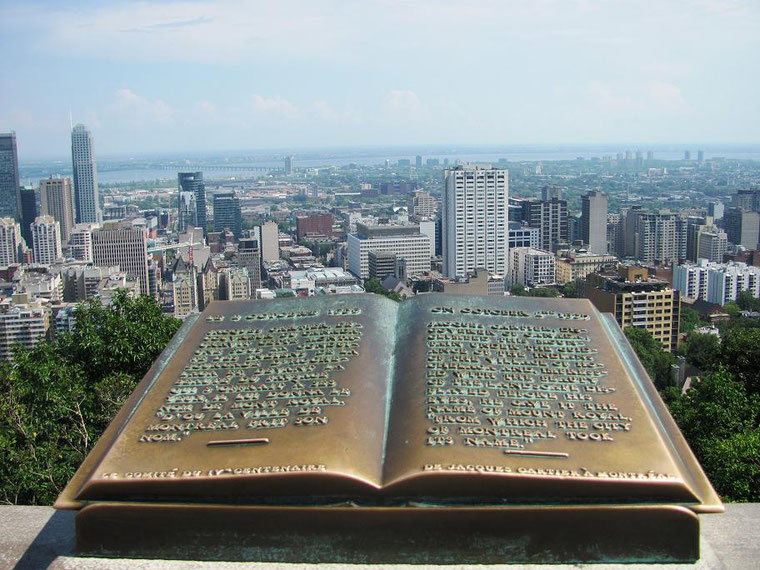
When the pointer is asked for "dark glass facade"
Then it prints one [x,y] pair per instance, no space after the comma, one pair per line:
[9,177]
[193,182]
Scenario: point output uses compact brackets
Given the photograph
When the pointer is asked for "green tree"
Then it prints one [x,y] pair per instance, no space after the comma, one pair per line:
[652,356]
[372,285]
[570,290]
[740,348]
[125,336]
[689,319]
[543,292]
[702,350]
[720,419]
[748,302]
[58,397]
[732,309]
[518,290]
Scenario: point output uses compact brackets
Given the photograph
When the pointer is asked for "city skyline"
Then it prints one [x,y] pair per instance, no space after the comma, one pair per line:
[302,75]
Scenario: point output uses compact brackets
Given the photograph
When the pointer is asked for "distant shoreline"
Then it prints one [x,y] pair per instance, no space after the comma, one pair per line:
[150,167]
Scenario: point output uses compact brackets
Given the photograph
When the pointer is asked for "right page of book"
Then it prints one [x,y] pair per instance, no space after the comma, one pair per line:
[527,399]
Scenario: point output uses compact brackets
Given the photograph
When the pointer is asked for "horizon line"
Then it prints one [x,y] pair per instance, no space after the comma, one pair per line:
[450,147]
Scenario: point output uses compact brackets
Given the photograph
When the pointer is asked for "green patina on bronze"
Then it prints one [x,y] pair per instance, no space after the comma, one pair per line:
[356,417]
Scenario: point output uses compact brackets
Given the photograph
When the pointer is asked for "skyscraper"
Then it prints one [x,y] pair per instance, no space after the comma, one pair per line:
[193,182]
[29,212]
[57,200]
[249,257]
[123,245]
[9,179]
[742,227]
[660,237]
[86,196]
[227,213]
[551,219]
[475,226]
[46,236]
[594,221]
[185,211]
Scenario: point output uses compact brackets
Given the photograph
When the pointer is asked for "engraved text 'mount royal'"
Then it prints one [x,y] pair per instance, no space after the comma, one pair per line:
[440,402]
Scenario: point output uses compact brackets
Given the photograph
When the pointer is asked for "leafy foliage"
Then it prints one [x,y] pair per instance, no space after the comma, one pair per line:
[689,319]
[520,291]
[720,418]
[372,285]
[747,302]
[570,289]
[702,350]
[732,309]
[656,360]
[739,352]
[60,396]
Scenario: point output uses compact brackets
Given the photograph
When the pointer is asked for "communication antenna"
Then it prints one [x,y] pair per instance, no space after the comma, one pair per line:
[71,120]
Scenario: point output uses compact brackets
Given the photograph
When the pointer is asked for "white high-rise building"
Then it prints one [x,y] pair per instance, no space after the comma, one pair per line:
[86,197]
[716,282]
[46,237]
[24,323]
[57,200]
[80,240]
[594,221]
[530,267]
[10,242]
[475,229]
[123,245]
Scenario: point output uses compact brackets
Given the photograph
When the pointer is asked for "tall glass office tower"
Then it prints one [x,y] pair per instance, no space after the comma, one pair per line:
[9,179]
[86,196]
[193,182]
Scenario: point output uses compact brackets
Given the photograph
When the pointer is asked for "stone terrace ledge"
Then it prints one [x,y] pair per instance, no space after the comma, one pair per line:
[39,537]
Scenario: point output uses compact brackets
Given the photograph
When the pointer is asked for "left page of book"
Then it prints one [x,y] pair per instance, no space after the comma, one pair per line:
[261,399]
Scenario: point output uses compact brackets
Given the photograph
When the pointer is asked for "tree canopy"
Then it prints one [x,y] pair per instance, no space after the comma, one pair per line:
[720,418]
[739,349]
[373,285]
[702,351]
[651,354]
[520,291]
[689,319]
[59,396]
[748,302]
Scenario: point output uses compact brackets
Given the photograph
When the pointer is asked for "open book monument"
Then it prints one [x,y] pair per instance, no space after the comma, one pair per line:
[442,429]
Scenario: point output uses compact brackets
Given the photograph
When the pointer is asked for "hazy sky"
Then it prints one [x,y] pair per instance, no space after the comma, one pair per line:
[235,74]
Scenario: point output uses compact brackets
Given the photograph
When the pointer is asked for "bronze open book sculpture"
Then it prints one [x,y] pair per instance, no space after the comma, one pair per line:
[445,428]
